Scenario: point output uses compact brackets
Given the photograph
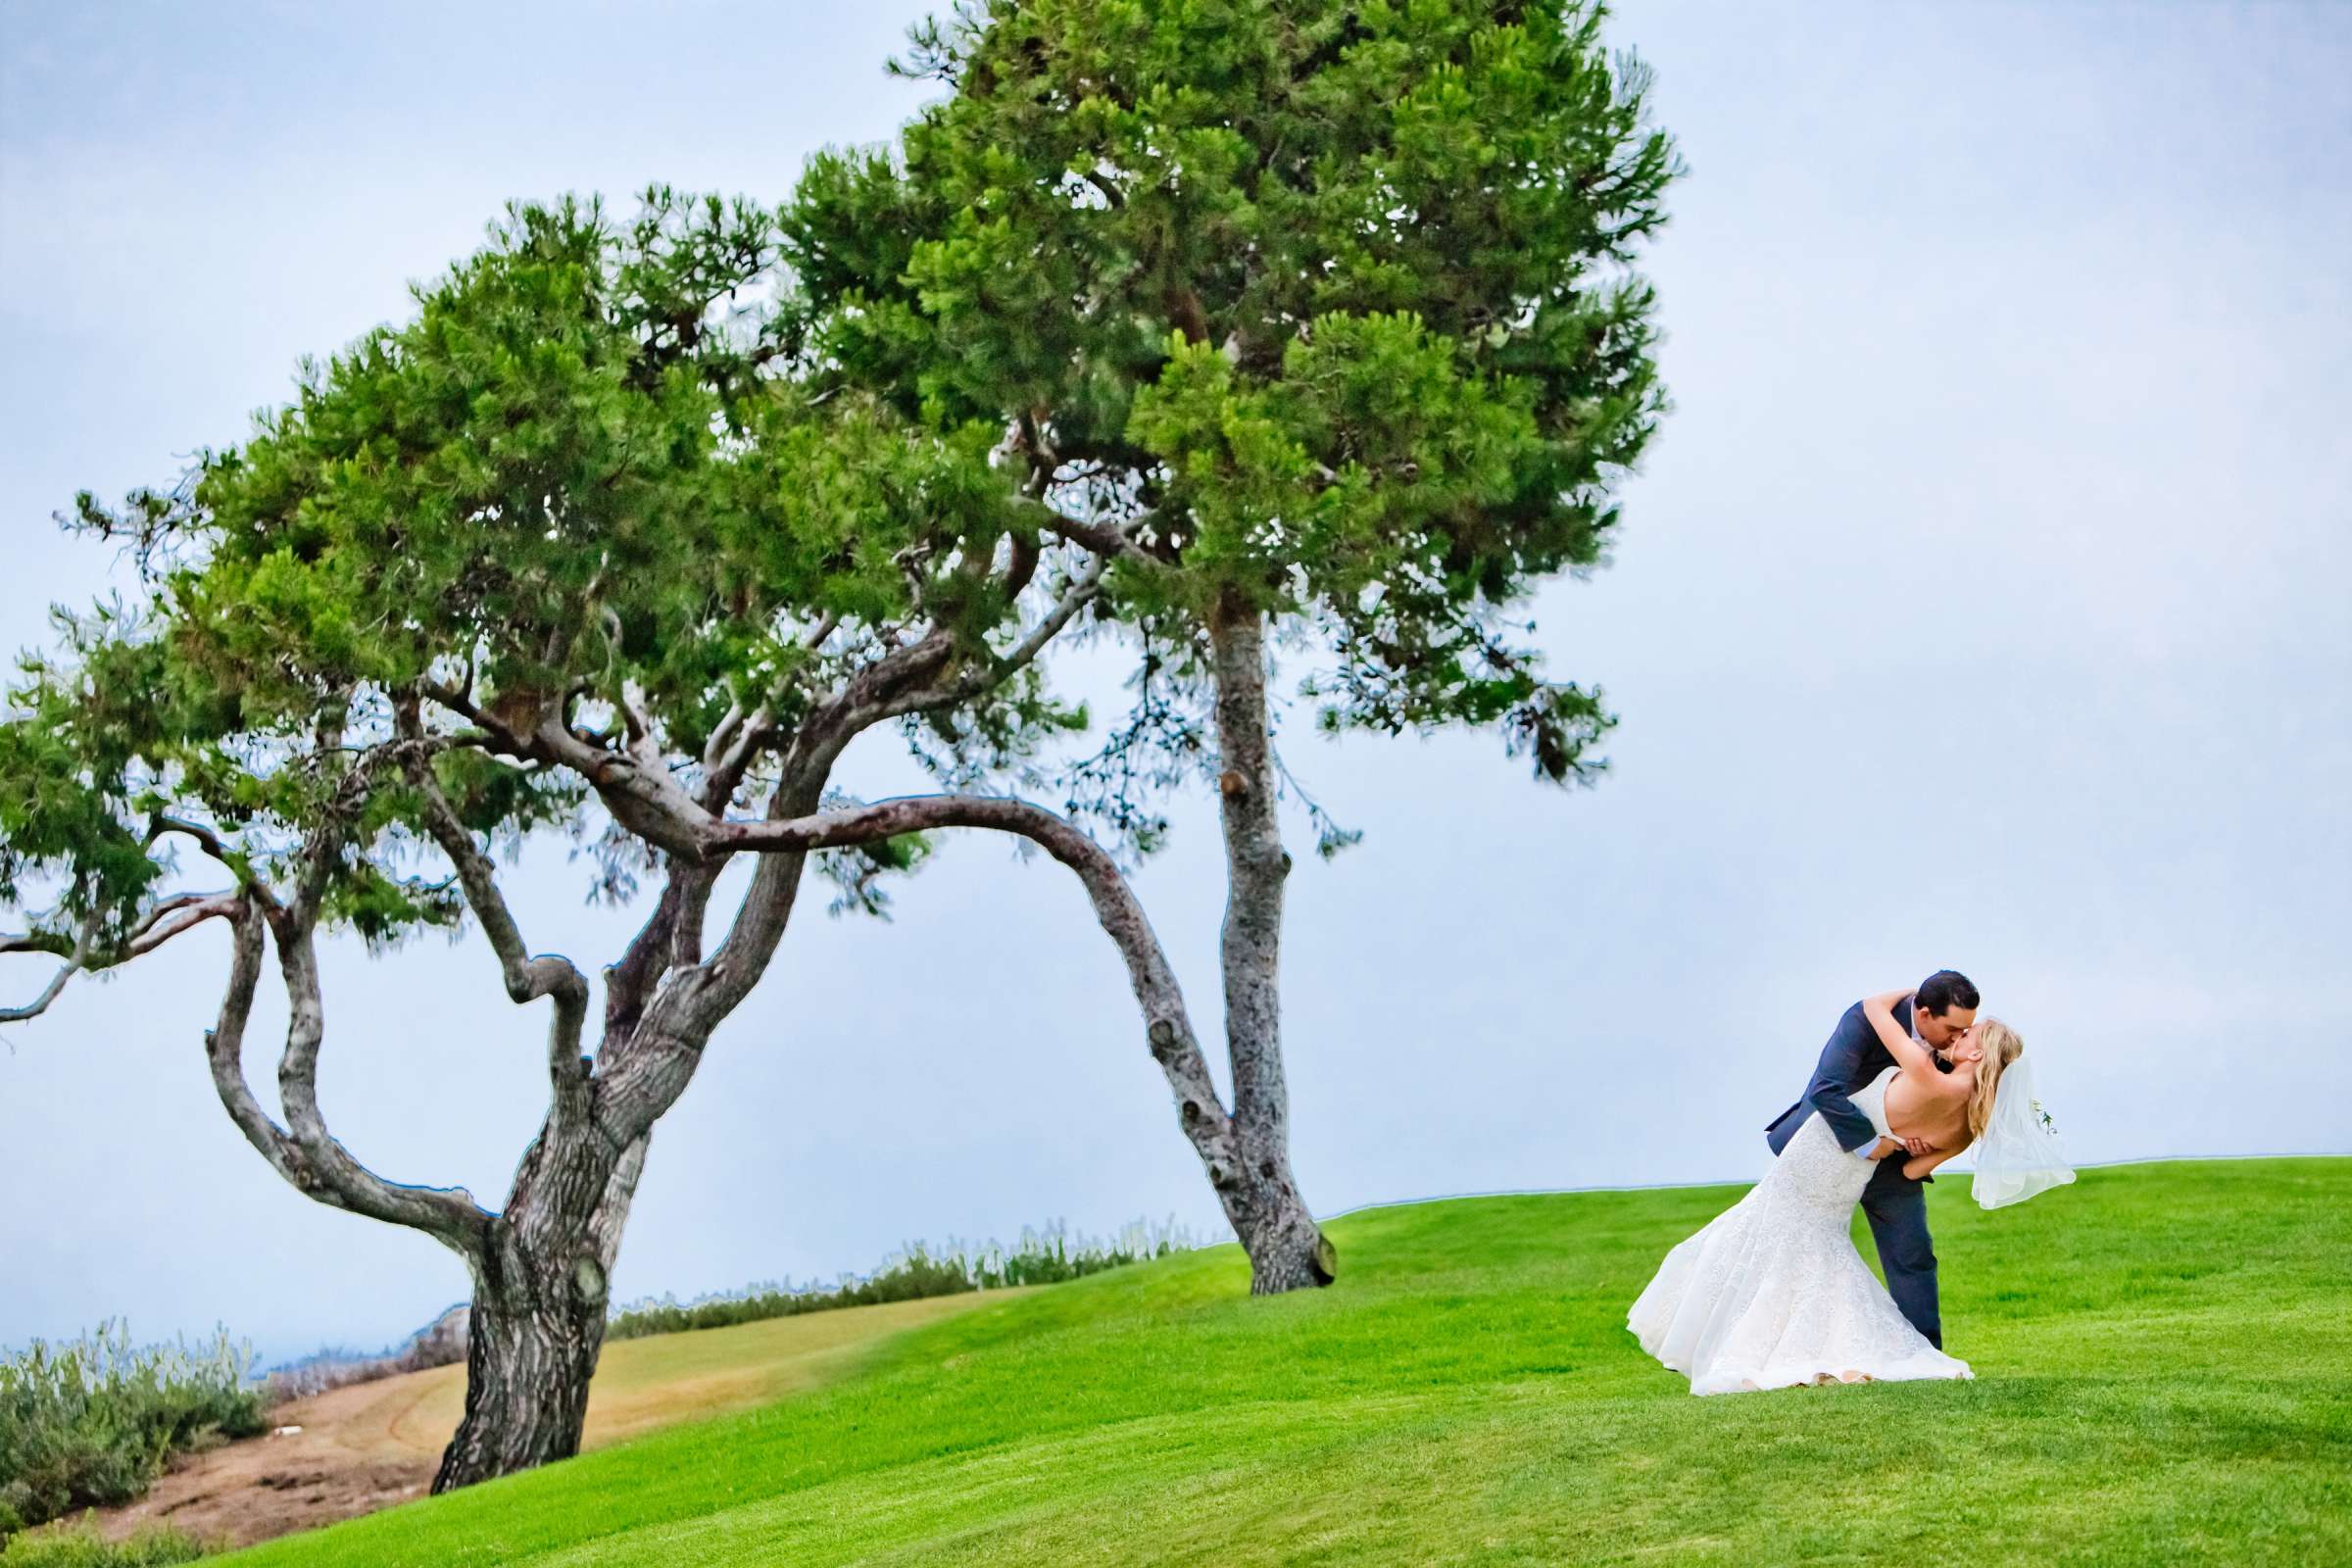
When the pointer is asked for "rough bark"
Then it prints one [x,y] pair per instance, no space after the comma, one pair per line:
[541,1282]
[541,1267]
[1287,1250]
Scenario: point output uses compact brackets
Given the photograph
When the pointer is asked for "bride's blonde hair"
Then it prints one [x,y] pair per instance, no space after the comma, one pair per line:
[2001,1046]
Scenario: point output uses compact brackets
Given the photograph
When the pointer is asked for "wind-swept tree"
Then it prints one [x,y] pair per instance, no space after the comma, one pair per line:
[579,550]
[1320,321]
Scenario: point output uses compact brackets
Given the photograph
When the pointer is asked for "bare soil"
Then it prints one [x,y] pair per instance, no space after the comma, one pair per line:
[373,1445]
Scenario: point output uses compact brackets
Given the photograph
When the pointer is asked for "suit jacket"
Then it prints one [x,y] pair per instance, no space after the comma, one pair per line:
[1853,1056]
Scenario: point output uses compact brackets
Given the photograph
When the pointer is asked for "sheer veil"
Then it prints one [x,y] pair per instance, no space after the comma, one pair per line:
[2019,1154]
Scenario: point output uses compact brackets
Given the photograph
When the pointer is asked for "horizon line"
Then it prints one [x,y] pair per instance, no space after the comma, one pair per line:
[1660,1187]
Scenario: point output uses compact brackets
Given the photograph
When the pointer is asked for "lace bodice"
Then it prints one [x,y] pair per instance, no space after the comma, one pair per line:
[1820,1173]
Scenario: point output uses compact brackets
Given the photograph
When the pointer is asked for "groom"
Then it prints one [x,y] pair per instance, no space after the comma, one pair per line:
[1938,1013]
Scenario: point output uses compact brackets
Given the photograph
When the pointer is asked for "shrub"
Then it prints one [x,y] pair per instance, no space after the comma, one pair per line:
[84,1547]
[93,1422]
[1042,1257]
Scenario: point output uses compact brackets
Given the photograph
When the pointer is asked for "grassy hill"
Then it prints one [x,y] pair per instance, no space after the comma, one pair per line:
[643,1385]
[367,1445]
[2163,1354]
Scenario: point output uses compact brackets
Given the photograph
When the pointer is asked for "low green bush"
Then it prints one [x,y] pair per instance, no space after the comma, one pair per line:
[92,1423]
[84,1547]
[1042,1257]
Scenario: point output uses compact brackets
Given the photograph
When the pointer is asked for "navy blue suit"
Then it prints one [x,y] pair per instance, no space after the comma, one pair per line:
[1897,1206]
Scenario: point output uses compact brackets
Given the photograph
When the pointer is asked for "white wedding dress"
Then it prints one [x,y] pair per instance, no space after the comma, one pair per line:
[1772,1294]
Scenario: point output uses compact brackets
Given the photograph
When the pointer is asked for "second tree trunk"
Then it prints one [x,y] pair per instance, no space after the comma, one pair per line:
[1287,1250]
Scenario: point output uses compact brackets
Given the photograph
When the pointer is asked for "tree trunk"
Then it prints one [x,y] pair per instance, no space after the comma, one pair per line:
[543,1271]
[526,1387]
[537,1323]
[1287,1250]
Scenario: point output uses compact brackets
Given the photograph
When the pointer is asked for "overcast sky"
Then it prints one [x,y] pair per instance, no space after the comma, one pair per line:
[1984,602]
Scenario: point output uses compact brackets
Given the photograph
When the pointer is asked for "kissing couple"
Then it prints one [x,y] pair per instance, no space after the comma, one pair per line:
[1771,1293]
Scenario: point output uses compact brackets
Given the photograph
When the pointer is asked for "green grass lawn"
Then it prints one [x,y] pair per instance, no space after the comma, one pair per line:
[2164,1374]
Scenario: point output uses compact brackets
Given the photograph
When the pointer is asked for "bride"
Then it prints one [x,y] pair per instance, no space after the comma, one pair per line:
[1772,1294]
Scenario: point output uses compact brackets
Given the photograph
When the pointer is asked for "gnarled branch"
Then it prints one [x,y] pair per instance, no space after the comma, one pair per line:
[166,919]
[76,959]
[1082,591]
[1167,1022]
[1105,539]
[324,1169]
[527,977]
[224,1050]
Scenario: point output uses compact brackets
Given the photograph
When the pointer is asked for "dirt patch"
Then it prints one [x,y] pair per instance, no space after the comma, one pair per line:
[373,1445]
[360,1449]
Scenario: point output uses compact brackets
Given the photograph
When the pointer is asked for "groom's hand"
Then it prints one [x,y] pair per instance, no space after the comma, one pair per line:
[1916,1146]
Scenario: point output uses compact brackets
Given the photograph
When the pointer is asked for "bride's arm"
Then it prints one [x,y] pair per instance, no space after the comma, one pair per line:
[1908,1053]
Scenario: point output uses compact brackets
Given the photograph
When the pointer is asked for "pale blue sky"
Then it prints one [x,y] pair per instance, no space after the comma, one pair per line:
[1984,602]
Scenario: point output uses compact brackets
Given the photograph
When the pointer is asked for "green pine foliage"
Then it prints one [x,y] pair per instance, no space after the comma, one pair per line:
[1333,309]
[1329,313]
[588,464]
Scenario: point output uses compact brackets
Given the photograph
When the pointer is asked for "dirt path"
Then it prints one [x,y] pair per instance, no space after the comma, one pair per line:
[373,1445]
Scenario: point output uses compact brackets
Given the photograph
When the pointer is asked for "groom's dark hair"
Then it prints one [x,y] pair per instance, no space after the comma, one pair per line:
[1944,990]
